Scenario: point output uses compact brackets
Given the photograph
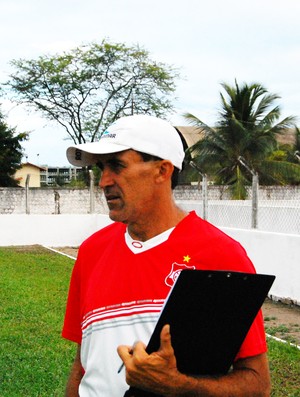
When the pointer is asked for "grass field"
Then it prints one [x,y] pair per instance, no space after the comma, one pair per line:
[35,360]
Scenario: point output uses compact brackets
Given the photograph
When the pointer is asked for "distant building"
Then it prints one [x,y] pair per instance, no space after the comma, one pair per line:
[45,176]
[34,172]
[52,176]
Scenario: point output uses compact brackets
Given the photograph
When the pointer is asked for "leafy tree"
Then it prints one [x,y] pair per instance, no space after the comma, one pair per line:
[87,88]
[245,133]
[293,152]
[10,153]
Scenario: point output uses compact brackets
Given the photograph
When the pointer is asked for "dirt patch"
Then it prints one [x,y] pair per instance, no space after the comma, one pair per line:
[281,320]
[71,251]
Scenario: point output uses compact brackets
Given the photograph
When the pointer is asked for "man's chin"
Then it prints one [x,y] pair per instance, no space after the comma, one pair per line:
[116,216]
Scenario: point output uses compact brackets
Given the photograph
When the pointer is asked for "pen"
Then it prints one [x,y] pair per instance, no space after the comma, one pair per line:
[121,367]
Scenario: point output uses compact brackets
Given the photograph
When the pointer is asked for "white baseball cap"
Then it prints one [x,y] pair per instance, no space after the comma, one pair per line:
[143,133]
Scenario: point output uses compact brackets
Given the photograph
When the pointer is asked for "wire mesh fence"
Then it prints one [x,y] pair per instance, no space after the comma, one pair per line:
[273,209]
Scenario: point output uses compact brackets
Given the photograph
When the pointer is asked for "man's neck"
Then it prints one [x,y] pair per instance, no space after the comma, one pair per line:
[160,222]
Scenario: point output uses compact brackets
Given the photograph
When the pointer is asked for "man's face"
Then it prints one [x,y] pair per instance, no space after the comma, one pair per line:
[129,185]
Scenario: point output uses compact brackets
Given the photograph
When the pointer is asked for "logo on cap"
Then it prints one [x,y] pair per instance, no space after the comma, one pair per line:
[78,154]
[107,134]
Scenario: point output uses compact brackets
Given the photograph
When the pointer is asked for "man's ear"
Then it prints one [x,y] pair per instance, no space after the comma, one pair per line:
[165,171]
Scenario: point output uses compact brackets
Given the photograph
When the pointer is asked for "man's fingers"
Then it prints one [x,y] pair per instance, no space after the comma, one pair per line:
[165,338]
[124,351]
[136,355]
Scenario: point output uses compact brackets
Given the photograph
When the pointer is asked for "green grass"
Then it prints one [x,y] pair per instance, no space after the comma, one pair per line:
[285,369]
[35,360]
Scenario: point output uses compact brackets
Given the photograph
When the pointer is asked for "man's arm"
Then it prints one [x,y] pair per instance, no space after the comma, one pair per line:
[158,373]
[74,377]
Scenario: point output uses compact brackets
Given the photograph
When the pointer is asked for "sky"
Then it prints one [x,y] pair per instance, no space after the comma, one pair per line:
[210,42]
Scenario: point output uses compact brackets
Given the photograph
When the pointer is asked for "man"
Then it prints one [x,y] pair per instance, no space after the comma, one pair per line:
[124,272]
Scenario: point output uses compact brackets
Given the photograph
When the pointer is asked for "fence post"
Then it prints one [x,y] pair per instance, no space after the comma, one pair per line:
[92,192]
[255,185]
[56,202]
[254,192]
[27,207]
[204,196]
[204,189]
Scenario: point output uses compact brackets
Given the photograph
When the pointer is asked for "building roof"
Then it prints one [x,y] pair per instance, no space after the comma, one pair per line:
[33,165]
[194,134]
[191,134]
[288,137]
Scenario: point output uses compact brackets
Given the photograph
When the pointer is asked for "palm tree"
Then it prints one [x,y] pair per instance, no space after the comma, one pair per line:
[245,130]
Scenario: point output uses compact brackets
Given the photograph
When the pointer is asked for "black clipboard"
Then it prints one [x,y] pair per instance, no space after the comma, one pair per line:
[210,313]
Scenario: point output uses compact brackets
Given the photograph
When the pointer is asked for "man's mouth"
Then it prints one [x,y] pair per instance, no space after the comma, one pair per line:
[111,198]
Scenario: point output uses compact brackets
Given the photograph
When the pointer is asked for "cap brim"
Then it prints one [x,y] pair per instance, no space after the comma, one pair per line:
[88,153]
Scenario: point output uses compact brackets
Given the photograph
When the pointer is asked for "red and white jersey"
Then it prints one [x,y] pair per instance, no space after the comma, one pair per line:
[118,287]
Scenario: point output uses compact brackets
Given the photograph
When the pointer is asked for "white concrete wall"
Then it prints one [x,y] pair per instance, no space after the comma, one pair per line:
[52,230]
[274,253]
[271,253]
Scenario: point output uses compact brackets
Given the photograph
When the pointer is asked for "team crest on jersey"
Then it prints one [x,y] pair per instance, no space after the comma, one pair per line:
[174,273]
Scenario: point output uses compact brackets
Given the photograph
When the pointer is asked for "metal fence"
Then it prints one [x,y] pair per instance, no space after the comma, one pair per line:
[267,208]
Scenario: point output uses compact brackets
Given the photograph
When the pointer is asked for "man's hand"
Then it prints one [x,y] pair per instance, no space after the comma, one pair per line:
[155,371]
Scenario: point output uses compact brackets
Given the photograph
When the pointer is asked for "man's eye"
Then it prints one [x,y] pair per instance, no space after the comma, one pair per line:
[116,166]
[100,165]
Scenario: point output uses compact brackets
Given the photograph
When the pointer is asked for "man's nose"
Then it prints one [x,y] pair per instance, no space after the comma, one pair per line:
[106,178]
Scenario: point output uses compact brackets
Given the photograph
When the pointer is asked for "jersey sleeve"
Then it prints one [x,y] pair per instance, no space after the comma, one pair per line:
[72,322]
[255,341]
